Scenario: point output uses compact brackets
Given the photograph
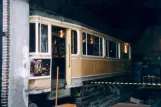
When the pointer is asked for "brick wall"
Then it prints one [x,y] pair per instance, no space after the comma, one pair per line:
[5,53]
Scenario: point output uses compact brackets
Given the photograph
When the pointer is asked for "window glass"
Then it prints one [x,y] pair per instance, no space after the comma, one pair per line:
[90,44]
[101,46]
[107,48]
[122,50]
[74,42]
[94,45]
[44,38]
[117,52]
[112,49]
[126,51]
[32,39]
[58,42]
[84,43]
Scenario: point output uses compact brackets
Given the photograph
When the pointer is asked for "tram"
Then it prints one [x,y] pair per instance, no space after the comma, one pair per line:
[81,53]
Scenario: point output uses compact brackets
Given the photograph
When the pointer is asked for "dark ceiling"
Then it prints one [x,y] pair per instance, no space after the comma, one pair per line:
[123,19]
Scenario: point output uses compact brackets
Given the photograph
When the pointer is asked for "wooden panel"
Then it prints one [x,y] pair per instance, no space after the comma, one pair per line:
[76,68]
[120,66]
[40,83]
[107,67]
[101,67]
[116,66]
[87,67]
[96,67]
[112,67]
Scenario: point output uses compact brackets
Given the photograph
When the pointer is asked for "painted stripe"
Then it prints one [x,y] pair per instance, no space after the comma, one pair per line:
[125,83]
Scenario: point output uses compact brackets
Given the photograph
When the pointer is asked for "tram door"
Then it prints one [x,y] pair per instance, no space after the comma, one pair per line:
[58,53]
[71,49]
[64,43]
[68,57]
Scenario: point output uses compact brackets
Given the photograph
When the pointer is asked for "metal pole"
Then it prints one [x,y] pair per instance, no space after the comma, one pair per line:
[57,77]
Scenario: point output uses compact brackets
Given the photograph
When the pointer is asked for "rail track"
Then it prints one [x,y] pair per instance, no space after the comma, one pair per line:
[102,98]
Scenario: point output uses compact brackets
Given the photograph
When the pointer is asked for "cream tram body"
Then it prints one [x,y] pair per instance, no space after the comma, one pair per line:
[81,64]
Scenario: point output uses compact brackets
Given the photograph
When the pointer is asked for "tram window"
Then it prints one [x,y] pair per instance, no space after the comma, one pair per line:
[90,44]
[74,42]
[117,48]
[122,50]
[32,38]
[126,51]
[93,45]
[84,43]
[113,49]
[107,48]
[44,38]
[100,46]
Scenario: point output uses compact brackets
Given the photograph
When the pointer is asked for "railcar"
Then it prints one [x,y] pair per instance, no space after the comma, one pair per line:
[81,53]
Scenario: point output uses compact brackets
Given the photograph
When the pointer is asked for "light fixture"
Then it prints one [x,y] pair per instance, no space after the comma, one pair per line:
[91,40]
[125,48]
[61,33]
[55,41]
[84,40]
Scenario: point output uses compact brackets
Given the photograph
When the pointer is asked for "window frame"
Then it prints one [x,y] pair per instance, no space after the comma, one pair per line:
[78,42]
[35,37]
[86,32]
[38,35]
[122,51]
[117,48]
[129,51]
[107,46]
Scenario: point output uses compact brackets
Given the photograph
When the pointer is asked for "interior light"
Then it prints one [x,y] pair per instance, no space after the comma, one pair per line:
[55,41]
[91,40]
[125,48]
[84,40]
[61,33]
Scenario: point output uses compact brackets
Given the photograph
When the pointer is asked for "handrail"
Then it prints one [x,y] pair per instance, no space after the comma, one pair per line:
[69,55]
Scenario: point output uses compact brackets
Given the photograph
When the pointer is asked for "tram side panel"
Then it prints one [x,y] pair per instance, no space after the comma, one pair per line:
[101,67]
[89,69]
[39,83]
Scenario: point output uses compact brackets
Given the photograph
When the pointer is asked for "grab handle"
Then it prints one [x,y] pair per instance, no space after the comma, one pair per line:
[69,55]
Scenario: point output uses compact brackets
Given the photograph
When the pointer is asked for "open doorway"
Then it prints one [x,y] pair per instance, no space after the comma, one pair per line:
[58,54]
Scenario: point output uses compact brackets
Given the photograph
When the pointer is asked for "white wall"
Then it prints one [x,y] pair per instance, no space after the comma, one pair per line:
[19,53]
